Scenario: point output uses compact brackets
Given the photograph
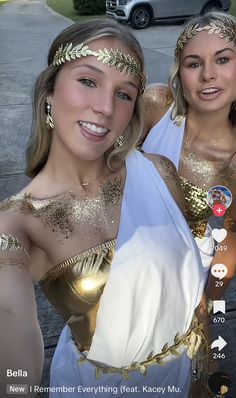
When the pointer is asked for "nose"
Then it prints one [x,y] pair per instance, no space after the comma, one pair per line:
[208,72]
[104,104]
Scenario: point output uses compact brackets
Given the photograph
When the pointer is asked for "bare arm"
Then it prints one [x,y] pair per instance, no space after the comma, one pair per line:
[227,258]
[20,336]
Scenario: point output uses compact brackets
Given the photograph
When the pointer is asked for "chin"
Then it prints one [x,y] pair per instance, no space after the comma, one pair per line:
[89,157]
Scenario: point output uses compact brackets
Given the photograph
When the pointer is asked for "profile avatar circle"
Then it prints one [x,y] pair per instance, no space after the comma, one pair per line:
[219,199]
[219,383]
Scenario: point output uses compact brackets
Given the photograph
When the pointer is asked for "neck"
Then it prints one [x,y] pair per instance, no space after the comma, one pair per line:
[65,167]
[208,125]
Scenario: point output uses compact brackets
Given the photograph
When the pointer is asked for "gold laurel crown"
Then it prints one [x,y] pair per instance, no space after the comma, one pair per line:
[226,30]
[114,58]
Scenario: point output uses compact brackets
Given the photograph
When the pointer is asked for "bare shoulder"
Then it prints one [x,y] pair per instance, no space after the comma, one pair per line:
[168,172]
[157,99]
[165,166]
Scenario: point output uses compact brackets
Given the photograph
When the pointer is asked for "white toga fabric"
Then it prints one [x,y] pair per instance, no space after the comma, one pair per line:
[166,138]
[150,295]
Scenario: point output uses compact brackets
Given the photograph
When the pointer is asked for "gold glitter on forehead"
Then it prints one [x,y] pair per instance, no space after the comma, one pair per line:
[114,58]
[225,29]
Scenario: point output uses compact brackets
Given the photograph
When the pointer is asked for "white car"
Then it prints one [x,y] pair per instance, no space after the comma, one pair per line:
[140,13]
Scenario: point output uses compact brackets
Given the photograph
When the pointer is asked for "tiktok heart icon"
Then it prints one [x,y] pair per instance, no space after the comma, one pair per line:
[219,234]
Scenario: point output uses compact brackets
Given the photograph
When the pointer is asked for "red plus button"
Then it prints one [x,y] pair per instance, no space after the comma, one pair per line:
[219,210]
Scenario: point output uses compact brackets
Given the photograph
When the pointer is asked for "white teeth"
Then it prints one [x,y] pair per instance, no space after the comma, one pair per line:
[94,128]
[210,90]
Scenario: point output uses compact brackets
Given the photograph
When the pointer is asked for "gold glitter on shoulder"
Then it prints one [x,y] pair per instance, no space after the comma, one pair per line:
[157,99]
[69,213]
[10,243]
[19,201]
[167,169]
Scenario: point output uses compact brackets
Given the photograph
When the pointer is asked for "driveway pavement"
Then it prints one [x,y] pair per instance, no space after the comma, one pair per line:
[27,28]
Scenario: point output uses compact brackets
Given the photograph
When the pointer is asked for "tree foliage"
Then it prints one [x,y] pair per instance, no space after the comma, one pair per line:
[90,7]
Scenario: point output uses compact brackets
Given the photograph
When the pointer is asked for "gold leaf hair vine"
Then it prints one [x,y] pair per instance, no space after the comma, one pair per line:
[226,30]
[114,58]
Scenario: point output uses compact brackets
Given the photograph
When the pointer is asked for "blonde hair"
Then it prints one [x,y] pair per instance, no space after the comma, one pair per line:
[214,17]
[40,141]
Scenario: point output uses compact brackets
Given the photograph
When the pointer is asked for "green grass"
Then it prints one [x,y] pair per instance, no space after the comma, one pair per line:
[2,2]
[232,9]
[66,8]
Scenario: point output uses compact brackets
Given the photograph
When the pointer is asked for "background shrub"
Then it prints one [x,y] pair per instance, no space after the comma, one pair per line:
[90,7]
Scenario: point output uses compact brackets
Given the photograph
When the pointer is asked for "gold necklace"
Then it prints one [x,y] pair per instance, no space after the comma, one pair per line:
[78,184]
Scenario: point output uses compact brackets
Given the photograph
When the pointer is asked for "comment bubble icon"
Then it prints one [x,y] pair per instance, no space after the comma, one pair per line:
[219,270]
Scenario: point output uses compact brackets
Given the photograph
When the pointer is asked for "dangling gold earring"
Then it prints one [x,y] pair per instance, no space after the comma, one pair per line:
[119,141]
[49,120]
[178,120]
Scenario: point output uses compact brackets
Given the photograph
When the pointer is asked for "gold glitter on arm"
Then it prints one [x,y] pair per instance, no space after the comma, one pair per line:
[10,243]
[12,262]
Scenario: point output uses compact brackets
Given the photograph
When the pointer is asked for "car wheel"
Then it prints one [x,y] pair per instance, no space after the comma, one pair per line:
[211,7]
[141,18]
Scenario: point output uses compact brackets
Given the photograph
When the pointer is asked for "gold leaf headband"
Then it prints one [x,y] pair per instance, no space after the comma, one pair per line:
[115,58]
[226,30]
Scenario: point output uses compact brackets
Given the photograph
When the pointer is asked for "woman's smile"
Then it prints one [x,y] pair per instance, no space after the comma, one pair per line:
[210,93]
[93,132]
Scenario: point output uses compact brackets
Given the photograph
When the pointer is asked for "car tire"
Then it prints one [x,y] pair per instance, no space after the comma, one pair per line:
[211,6]
[140,18]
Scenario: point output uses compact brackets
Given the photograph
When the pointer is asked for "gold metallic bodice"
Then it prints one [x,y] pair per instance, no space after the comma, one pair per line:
[75,287]
[197,208]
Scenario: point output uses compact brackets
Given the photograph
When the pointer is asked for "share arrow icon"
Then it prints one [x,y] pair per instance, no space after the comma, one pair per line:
[220,343]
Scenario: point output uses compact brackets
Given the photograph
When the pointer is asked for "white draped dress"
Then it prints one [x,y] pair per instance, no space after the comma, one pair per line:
[154,285]
[166,138]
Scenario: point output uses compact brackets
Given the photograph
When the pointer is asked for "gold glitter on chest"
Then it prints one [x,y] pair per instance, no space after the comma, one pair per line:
[198,175]
[206,172]
[71,213]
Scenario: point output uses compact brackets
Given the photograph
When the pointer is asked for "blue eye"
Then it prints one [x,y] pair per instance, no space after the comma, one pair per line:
[87,82]
[124,96]
[194,65]
[222,60]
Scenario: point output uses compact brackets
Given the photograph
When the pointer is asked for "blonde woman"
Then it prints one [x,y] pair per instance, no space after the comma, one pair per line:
[193,123]
[101,229]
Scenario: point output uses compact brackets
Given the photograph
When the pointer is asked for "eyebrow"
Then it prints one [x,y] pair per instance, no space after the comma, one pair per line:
[195,56]
[95,69]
